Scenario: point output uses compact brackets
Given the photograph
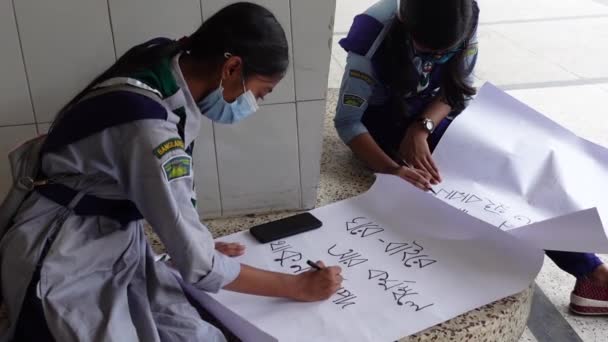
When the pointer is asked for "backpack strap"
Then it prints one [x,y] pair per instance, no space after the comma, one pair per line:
[112,103]
[123,211]
[104,108]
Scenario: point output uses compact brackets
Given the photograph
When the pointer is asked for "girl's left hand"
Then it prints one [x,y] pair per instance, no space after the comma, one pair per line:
[415,150]
[230,249]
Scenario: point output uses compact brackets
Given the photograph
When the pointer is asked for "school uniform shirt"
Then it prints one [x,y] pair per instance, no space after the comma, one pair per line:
[99,280]
[362,84]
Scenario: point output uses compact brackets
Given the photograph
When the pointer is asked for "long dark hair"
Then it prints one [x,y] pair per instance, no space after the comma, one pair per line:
[437,25]
[243,29]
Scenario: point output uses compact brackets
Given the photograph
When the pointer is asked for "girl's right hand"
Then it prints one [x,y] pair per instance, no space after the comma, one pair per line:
[315,285]
[419,178]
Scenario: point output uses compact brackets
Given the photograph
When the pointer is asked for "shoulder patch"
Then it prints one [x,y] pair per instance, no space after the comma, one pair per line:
[362,34]
[167,146]
[352,100]
[362,76]
[177,167]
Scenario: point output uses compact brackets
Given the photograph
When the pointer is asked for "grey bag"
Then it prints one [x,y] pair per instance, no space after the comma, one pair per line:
[25,160]
[25,164]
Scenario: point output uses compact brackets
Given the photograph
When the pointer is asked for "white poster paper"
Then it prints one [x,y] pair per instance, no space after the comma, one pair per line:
[571,233]
[510,166]
[410,262]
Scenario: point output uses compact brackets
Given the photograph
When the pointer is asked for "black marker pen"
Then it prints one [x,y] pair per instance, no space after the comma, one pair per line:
[318,268]
[313,265]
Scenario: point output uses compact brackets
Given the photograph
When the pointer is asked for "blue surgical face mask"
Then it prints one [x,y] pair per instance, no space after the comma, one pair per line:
[216,108]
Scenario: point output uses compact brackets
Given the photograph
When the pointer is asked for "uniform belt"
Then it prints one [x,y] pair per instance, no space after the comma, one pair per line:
[123,211]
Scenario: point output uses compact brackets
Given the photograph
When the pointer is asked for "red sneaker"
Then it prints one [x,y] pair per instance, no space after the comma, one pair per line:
[589,299]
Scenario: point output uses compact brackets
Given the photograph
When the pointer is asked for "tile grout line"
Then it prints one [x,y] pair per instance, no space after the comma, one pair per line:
[215,143]
[25,71]
[217,167]
[24,124]
[112,30]
[295,95]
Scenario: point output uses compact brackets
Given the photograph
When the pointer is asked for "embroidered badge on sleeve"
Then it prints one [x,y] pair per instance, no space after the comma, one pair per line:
[353,100]
[168,146]
[177,167]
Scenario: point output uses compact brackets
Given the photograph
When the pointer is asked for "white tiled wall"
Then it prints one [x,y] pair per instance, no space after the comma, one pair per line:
[312,24]
[205,171]
[66,43]
[52,49]
[135,21]
[310,137]
[258,161]
[14,95]
[43,128]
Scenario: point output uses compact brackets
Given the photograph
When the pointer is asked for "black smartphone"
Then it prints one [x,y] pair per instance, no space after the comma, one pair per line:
[279,229]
